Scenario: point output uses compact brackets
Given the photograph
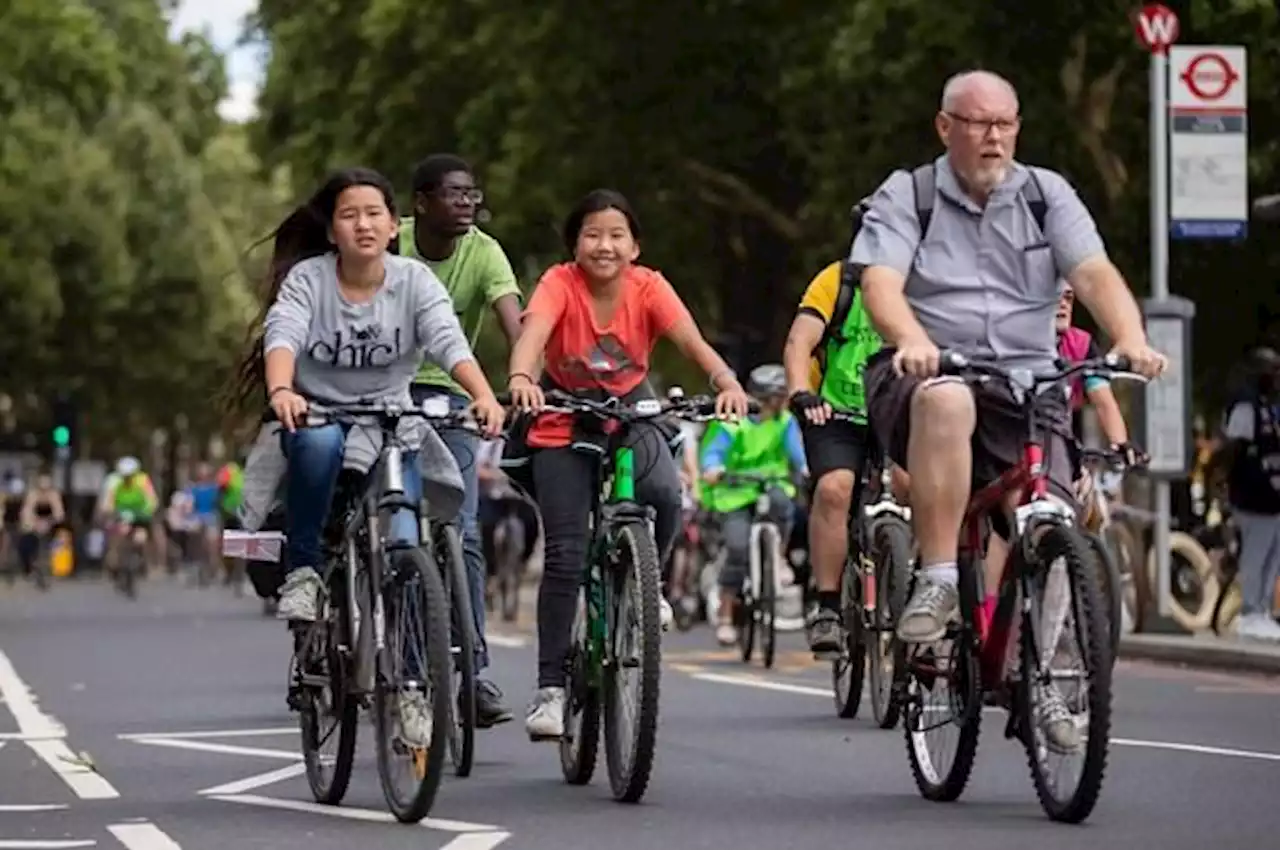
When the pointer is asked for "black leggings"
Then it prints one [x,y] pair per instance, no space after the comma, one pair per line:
[563,480]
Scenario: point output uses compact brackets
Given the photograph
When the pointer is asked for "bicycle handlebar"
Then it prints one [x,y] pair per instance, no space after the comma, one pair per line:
[1110,366]
[319,415]
[695,409]
[1117,461]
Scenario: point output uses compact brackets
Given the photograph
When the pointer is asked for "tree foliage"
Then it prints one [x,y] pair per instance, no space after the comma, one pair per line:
[745,129]
[125,208]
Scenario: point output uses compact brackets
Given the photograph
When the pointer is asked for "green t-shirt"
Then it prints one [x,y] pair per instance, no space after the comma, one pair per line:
[476,275]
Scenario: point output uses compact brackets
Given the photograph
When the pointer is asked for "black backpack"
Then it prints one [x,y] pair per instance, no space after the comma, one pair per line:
[924,186]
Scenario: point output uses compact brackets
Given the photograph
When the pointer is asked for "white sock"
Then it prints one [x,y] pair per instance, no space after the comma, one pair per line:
[946,573]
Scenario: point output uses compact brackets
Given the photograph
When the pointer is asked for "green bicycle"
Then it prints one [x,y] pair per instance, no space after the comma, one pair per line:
[615,657]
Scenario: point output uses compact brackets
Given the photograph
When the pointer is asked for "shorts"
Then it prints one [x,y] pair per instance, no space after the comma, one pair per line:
[206,520]
[997,439]
[138,521]
[836,445]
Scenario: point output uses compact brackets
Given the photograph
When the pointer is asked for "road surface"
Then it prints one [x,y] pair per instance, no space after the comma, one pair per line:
[178,701]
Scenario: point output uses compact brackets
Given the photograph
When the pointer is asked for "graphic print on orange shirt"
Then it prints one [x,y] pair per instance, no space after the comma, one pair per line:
[582,354]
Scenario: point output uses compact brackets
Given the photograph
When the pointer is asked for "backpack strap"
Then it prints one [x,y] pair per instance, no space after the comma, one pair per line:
[1033,193]
[924,182]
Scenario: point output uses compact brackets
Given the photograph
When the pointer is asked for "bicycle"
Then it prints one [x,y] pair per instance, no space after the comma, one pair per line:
[1044,535]
[131,558]
[872,595]
[1120,585]
[351,657]
[617,629]
[758,601]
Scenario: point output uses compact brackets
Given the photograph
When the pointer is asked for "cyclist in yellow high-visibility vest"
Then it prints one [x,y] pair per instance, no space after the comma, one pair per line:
[768,444]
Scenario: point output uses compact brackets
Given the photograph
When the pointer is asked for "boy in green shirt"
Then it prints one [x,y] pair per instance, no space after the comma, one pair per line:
[473,268]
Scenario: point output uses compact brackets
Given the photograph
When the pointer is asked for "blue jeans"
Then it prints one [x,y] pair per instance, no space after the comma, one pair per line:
[464,446]
[315,460]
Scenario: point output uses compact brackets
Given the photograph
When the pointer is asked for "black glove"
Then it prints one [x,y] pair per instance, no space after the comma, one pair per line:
[1133,456]
[804,401]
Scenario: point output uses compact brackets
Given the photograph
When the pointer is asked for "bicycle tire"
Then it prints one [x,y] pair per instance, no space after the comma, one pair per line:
[1060,541]
[330,790]
[1111,588]
[462,652]
[640,569]
[1226,611]
[891,552]
[580,744]
[129,571]
[767,607]
[510,569]
[1129,558]
[1187,548]
[848,671]
[410,565]
[951,785]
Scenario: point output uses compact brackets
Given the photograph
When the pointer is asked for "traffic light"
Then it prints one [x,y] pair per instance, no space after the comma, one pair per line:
[63,432]
[61,436]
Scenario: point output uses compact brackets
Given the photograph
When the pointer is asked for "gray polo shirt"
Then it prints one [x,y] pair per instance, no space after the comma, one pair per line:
[984,281]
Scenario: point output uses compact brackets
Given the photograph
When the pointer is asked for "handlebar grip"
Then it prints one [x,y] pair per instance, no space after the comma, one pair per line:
[504,399]
[1119,363]
[951,362]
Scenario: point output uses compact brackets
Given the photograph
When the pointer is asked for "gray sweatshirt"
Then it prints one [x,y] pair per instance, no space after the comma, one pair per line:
[350,353]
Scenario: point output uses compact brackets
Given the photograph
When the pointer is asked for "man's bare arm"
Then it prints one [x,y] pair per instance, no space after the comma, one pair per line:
[1102,290]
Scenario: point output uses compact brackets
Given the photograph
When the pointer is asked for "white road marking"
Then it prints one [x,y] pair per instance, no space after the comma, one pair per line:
[477,841]
[257,781]
[1174,746]
[508,641]
[1200,749]
[19,736]
[22,704]
[225,749]
[36,844]
[44,735]
[33,807]
[219,733]
[350,812]
[142,836]
[87,784]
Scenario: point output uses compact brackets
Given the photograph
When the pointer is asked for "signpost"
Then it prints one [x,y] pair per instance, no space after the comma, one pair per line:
[1157,28]
[1209,145]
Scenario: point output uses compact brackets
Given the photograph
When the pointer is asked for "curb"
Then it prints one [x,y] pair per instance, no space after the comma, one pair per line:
[1202,655]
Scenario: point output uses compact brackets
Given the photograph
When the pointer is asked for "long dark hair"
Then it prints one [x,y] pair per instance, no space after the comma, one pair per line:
[302,235]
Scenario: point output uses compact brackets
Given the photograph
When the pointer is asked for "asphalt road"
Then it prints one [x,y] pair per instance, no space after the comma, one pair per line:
[182,691]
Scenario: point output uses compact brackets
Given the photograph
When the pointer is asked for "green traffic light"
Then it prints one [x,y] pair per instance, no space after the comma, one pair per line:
[61,435]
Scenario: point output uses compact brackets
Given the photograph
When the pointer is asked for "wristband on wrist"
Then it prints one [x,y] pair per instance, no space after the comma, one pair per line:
[723,373]
[524,375]
[272,393]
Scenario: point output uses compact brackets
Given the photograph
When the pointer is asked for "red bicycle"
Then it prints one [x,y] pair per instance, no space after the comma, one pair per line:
[1050,591]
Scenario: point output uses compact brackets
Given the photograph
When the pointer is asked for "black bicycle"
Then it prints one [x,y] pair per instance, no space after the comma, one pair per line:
[381,637]
[615,660]
[873,592]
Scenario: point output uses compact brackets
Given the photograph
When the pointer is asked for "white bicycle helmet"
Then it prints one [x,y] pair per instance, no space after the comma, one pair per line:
[127,465]
[767,381]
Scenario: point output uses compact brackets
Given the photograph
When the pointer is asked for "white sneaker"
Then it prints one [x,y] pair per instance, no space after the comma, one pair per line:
[544,719]
[415,718]
[726,634]
[1253,627]
[299,598]
[665,614]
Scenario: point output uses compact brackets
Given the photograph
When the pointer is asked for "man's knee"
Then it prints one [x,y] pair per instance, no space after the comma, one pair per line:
[943,409]
[833,494]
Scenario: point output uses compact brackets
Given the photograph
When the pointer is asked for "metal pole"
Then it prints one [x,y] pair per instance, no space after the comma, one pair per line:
[1160,288]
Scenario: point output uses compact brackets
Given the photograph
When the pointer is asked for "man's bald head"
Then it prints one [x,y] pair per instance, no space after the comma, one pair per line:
[969,85]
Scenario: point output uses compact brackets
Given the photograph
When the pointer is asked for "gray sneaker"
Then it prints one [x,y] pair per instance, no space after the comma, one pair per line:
[544,719]
[299,598]
[825,633]
[1056,722]
[925,618]
[415,718]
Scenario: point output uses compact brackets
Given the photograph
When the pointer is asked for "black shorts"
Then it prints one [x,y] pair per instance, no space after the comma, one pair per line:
[835,445]
[997,439]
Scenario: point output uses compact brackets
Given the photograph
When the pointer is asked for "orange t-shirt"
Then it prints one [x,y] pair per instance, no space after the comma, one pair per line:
[584,355]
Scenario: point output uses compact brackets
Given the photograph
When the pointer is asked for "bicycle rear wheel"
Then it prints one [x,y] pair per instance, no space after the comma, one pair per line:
[948,667]
[412,684]
[462,653]
[581,741]
[891,552]
[319,686]
[633,680]
[1066,600]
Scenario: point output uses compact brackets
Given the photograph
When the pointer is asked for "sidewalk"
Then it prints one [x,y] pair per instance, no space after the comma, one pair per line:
[1206,651]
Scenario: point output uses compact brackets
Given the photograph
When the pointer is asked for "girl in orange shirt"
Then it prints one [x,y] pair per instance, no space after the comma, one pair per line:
[597,319]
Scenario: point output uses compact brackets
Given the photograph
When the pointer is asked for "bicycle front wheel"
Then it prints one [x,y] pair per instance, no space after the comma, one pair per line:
[767,596]
[319,690]
[849,669]
[891,553]
[631,682]
[411,693]
[1065,693]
